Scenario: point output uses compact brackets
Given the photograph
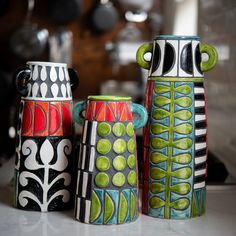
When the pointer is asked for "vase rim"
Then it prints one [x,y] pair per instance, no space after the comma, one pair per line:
[177,37]
[46,63]
[108,98]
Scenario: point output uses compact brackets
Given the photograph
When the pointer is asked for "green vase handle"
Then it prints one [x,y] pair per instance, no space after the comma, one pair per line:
[77,112]
[145,48]
[143,116]
[212,54]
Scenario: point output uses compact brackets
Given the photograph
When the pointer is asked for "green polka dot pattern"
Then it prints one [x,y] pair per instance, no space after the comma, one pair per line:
[116,155]
[102,163]
[102,179]
[118,129]
[104,129]
[103,146]
[118,179]
[119,163]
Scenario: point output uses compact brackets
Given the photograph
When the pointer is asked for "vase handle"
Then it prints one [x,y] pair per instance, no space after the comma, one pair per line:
[21,79]
[77,112]
[142,50]
[74,78]
[212,54]
[143,116]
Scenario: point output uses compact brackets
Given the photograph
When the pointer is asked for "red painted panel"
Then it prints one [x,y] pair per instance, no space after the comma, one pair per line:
[27,119]
[55,119]
[67,119]
[40,119]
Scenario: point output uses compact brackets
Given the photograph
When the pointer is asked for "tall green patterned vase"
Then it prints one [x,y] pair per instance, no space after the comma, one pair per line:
[175,136]
[107,181]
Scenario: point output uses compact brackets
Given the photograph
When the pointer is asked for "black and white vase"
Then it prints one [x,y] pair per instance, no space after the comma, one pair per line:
[44,144]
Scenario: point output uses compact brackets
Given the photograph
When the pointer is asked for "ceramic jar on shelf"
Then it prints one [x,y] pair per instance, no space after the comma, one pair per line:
[175,137]
[44,145]
[107,181]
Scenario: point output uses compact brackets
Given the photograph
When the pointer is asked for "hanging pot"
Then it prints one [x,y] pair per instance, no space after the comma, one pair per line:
[29,41]
[104,16]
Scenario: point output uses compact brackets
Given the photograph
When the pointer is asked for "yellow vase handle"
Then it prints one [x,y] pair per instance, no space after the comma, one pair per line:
[212,54]
[146,47]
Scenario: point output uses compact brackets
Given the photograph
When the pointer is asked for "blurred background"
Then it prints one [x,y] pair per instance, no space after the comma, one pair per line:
[99,38]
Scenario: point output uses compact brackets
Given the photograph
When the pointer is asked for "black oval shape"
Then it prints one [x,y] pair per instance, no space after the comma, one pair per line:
[198,59]
[169,58]
[186,59]
[156,58]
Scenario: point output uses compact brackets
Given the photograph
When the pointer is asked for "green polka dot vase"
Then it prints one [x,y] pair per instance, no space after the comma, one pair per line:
[107,180]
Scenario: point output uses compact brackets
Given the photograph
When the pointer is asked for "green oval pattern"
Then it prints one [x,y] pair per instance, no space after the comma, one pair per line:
[183,101]
[103,146]
[161,89]
[182,188]
[157,157]
[157,128]
[102,180]
[184,143]
[102,163]
[184,89]
[180,204]
[118,179]
[156,202]
[156,187]
[183,128]
[182,158]
[118,129]
[183,173]
[131,145]
[130,129]
[123,209]
[132,178]
[119,146]
[104,129]
[109,208]
[183,115]
[119,163]
[96,207]
[157,173]
[131,161]
[161,101]
[160,114]
[158,143]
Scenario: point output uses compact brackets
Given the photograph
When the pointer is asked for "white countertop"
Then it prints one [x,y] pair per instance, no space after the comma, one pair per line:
[219,220]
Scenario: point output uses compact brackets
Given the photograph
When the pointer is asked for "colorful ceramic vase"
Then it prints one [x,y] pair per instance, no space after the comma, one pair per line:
[44,137]
[107,183]
[175,137]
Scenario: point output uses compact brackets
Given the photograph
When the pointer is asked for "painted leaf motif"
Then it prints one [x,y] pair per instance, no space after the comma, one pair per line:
[182,158]
[183,128]
[46,152]
[184,89]
[184,143]
[157,128]
[157,187]
[132,205]
[183,173]
[194,206]
[157,157]
[109,208]
[184,101]
[123,208]
[157,173]
[180,204]
[156,202]
[161,89]
[161,101]
[183,115]
[95,208]
[202,207]
[182,188]
[160,113]
[158,143]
